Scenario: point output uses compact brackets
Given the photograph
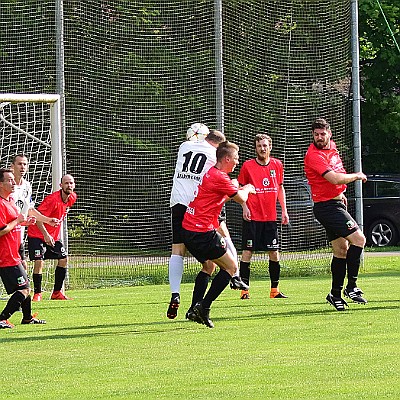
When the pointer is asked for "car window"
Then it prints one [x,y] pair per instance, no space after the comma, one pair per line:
[387,189]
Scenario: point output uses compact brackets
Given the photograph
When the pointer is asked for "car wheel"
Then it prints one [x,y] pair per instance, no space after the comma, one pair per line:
[383,233]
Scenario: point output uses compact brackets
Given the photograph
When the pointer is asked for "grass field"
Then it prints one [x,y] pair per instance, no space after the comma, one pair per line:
[118,343]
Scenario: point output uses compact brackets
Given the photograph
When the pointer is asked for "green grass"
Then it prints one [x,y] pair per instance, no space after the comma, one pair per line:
[118,343]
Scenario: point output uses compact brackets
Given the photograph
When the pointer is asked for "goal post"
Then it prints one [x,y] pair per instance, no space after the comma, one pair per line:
[53,100]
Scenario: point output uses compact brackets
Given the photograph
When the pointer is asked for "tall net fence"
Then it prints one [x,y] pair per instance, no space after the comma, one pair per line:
[137,74]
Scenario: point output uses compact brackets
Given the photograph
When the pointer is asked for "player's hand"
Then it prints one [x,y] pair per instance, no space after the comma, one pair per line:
[246,212]
[49,240]
[53,222]
[361,177]
[250,188]
[30,221]
[285,219]
[21,219]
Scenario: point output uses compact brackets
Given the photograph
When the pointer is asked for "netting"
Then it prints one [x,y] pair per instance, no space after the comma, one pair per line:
[137,74]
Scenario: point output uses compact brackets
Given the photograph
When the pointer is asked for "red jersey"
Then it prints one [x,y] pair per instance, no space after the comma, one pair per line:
[53,206]
[202,213]
[266,179]
[317,162]
[10,242]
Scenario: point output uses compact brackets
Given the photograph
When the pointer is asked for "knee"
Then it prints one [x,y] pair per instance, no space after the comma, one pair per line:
[246,255]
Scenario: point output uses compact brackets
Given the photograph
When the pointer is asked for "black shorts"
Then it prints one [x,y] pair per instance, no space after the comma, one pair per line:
[260,236]
[21,251]
[177,213]
[204,245]
[14,278]
[334,217]
[39,250]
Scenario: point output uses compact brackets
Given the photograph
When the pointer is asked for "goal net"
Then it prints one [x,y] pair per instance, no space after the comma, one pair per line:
[137,74]
[30,125]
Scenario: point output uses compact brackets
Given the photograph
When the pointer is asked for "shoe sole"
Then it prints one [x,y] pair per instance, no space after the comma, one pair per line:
[172,311]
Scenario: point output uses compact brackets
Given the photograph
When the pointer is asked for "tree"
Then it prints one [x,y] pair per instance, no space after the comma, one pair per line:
[380,80]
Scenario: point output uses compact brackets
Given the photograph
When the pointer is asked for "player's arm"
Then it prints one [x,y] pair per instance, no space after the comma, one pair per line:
[340,178]
[282,202]
[12,224]
[48,239]
[243,193]
[42,218]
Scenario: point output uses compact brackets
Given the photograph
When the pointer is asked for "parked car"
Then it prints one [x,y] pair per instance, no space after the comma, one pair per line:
[381,206]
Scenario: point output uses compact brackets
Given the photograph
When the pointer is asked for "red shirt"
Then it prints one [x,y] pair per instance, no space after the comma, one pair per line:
[266,179]
[53,206]
[202,213]
[317,162]
[10,242]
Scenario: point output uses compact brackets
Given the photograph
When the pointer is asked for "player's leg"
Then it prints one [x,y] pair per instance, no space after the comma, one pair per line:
[58,252]
[353,260]
[248,242]
[274,269]
[36,249]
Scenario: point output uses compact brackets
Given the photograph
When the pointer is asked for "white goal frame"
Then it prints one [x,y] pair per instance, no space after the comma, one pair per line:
[55,127]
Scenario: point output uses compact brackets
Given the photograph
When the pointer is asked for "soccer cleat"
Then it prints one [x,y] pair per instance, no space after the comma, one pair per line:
[5,323]
[355,294]
[276,294]
[172,311]
[237,283]
[192,316]
[33,321]
[203,314]
[58,295]
[37,297]
[244,295]
[336,302]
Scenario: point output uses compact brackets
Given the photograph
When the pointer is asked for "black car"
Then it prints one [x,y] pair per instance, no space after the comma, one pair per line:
[381,205]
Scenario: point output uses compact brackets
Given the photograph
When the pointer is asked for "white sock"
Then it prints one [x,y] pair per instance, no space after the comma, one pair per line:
[175,272]
[232,249]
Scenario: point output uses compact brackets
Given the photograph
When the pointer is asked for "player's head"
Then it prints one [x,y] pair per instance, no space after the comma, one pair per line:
[321,132]
[7,181]
[215,137]
[262,145]
[67,184]
[227,156]
[19,165]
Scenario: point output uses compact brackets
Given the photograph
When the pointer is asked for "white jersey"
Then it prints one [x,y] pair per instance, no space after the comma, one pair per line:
[22,197]
[194,160]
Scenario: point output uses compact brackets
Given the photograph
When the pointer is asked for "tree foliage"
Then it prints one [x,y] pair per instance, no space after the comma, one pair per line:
[380,77]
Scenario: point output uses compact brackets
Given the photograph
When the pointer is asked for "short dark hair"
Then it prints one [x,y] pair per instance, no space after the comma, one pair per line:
[215,136]
[4,171]
[320,123]
[14,158]
[262,136]
[226,149]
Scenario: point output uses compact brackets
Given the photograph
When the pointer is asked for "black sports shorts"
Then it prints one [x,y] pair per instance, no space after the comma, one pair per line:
[334,217]
[14,278]
[204,245]
[39,250]
[260,236]
[177,213]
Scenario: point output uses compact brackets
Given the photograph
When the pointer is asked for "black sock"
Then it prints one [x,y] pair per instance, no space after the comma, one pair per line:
[274,269]
[27,308]
[338,268]
[245,272]
[353,265]
[59,277]
[37,283]
[13,305]
[219,283]
[200,287]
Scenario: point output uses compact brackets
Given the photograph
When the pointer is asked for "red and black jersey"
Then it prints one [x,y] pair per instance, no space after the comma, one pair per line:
[53,206]
[202,213]
[266,179]
[317,162]
[10,242]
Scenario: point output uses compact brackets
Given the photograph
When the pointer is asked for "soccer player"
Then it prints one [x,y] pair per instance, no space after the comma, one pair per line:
[12,273]
[201,220]
[22,197]
[44,240]
[260,232]
[328,181]
[194,159]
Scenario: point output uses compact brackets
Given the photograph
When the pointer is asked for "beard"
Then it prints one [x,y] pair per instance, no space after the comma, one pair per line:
[321,144]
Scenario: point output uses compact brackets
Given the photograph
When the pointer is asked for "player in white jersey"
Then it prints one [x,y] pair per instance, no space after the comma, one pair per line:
[194,159]
[22,197]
